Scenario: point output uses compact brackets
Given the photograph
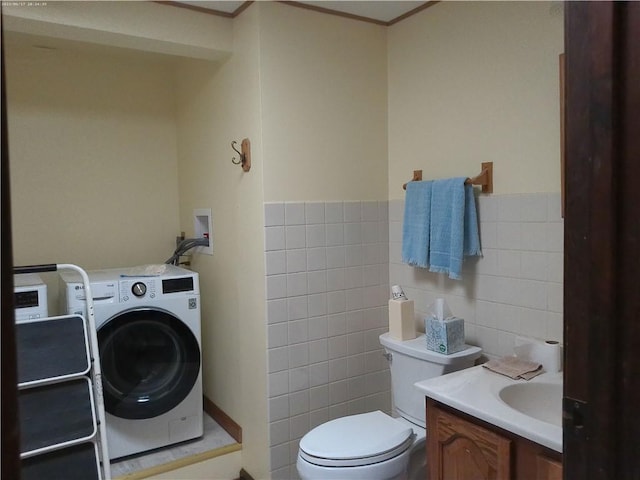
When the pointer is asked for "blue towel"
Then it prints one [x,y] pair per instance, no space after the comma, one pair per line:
[453,227]
[415,228]
[471,231]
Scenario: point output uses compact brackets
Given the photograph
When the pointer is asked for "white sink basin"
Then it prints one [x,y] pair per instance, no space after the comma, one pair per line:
[542,401]
[531,409]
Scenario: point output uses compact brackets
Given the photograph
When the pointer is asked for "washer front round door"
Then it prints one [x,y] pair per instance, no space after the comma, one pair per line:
[150,361]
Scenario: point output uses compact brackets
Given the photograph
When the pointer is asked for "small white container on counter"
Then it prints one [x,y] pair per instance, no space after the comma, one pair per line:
[402,323]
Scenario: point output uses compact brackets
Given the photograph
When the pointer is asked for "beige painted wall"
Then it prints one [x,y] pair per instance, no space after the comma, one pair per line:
[471,82]
[249,258]
[259,93]
[215,106]
[324,102]
[92,157]
[204,179]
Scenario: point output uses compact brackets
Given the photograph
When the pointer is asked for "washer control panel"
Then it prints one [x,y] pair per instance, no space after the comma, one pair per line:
[131,290]
[146,288]
[139,289]
[125,286]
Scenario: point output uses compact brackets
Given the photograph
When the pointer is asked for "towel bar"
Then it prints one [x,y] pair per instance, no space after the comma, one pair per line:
[484,178]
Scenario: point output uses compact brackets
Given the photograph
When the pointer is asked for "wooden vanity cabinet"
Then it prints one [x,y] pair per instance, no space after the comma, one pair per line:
[461,447]
[461,450]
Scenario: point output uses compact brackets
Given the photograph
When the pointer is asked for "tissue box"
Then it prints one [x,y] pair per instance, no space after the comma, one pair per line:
[445,336]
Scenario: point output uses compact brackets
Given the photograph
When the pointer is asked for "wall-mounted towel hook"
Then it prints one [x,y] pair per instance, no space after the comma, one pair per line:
[244,153]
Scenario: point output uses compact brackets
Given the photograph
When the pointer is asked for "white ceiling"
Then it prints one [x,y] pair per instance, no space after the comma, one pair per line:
[381,10]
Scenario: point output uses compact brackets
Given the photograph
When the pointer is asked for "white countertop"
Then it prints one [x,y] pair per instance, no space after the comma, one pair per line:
[475,391]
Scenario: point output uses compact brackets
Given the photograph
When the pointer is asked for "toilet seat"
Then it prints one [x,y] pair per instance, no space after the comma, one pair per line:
[356,440]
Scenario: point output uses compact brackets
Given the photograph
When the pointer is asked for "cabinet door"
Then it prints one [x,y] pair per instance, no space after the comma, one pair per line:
[548,469]
[460,450]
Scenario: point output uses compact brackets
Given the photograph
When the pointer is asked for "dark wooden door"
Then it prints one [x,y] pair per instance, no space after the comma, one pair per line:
[9,421]
[602,240]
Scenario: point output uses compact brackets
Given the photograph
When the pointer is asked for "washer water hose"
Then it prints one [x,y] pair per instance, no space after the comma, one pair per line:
[184,246]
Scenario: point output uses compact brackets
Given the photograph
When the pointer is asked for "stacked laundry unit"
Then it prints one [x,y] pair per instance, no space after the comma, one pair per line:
[60,408]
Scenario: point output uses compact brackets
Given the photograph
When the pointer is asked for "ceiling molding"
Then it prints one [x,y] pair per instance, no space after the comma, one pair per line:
[208,11]
[329,11]
[315,8]
[241,8]
[410,13]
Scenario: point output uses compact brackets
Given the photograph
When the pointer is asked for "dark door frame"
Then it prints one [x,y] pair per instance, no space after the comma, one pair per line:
[602,240]
[9,392]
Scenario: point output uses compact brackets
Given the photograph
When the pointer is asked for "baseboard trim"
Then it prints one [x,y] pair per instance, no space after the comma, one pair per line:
[224,420]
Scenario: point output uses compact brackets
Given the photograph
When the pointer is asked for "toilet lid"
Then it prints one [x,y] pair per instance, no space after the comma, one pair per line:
[356,440]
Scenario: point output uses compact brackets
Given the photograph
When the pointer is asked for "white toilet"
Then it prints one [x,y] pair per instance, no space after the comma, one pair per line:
[375,446]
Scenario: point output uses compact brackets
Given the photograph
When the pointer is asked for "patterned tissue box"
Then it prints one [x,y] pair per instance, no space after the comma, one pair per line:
[445,336]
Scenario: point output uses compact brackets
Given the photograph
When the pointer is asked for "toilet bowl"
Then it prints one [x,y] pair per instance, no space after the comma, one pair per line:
[366,446]
[374,445]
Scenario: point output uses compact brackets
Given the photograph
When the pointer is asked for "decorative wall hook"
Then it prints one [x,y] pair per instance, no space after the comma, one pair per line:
[244,153]
[233,160]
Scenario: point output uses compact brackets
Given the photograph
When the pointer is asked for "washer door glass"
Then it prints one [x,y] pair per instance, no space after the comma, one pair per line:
[150,361]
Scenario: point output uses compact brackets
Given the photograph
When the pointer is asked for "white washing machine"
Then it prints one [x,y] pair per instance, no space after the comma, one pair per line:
[29,297]
[148,329]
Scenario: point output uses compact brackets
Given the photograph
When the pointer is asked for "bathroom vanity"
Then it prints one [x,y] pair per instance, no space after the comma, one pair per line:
[462,447]
[484,425]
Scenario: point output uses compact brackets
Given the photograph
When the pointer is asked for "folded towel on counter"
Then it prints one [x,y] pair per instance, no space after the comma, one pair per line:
[415,228]
[453,226]
[514,367]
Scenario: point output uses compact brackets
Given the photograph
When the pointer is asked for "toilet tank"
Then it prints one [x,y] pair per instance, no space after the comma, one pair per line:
[411,362]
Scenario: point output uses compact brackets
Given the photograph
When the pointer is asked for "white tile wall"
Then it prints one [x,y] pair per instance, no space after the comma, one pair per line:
[327,281]
[329,266]
[516,287]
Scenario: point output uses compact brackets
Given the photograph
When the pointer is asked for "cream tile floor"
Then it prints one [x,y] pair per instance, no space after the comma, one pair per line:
[215,437]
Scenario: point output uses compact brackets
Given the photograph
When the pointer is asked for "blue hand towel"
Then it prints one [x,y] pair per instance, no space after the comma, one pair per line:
[471,230]
[453,227]
[415,228]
